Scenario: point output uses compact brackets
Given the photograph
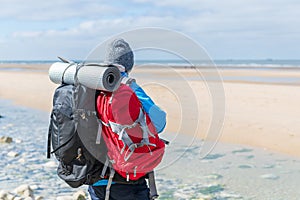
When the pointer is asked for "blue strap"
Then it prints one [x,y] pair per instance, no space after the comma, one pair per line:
[102,183]
[157,116]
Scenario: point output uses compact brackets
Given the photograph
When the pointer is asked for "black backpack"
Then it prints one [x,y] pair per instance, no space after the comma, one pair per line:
[73,132]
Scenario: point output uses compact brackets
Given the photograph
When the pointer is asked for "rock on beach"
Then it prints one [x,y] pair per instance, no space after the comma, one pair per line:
[24,191]
[6,139]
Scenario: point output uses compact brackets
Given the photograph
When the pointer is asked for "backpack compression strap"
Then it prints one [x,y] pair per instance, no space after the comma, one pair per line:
[152,186]
[111,176]
[121,131]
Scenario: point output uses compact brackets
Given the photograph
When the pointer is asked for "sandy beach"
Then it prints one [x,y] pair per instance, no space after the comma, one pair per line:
[262,114]
[256,157]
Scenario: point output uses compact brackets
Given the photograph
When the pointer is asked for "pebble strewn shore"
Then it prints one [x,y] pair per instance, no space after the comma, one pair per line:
[26,192]
[23,145]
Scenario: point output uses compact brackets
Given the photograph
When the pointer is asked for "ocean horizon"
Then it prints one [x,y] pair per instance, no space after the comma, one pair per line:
[222,63]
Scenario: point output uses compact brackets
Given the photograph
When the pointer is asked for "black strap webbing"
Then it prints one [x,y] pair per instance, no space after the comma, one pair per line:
[49,144]
[152,186]
[49,138]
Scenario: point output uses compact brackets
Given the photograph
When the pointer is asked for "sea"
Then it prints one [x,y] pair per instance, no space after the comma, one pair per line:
[222,63]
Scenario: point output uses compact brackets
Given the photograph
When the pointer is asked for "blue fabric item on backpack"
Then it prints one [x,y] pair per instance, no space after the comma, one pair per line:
[102,182]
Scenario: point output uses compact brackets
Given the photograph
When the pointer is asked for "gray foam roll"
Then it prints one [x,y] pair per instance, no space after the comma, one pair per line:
[58,69]
[95,76]
[99,77]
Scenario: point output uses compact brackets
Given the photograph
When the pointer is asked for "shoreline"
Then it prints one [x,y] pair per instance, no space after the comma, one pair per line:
[266,67]
[257,114]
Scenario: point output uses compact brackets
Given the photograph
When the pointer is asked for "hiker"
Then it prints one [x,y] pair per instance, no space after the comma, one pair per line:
[119,53]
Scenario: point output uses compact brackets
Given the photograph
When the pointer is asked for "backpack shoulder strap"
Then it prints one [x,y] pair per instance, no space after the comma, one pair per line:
[127,80]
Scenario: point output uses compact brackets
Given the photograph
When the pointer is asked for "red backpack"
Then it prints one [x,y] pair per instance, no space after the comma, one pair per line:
[133,145]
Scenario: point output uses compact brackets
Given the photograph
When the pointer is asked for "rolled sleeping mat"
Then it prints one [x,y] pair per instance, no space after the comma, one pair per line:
[62,73]
[95,76]
[107,78]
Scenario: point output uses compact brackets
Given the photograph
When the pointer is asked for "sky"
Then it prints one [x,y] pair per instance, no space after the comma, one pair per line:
[228,29]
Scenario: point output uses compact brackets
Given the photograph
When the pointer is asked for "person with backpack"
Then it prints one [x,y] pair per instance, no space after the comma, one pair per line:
[127,112]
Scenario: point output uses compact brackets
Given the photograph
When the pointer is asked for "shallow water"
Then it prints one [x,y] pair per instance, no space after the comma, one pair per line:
[228,172]
[28,128]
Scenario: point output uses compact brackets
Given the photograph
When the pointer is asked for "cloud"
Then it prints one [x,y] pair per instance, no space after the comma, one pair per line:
[193,16]
[37,10]
[77,41]
[218,25]
[103,27]
[232,14]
